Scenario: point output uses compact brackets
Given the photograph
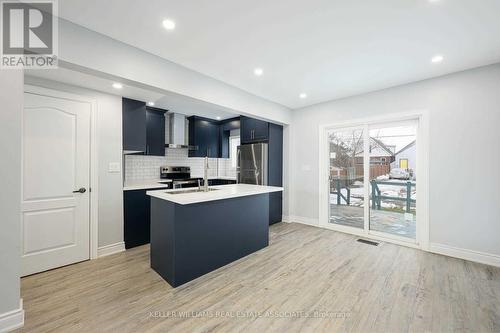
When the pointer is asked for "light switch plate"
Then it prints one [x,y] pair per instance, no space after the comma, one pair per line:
[114,167]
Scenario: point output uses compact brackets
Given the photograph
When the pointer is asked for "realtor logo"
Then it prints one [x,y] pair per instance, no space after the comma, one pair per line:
[29,34]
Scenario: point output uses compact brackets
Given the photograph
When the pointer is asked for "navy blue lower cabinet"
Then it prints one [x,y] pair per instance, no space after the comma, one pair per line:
[136,217]
[275,207]
[188,241]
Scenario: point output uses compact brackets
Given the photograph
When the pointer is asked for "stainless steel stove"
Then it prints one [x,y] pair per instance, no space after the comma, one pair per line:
[180,176]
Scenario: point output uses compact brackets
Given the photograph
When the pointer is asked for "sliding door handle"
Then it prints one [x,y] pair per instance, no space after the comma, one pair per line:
[81,190]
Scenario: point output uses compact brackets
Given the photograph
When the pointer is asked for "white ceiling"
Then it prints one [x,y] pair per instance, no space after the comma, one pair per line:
[326,48]
[163,100]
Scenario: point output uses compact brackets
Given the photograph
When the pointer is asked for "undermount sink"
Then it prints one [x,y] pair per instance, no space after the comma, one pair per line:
[191,190]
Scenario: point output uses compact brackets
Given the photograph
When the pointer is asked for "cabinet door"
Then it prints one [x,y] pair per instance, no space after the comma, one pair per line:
[134,125]
[213,140]
[203,133]
[136,218]
[261,130]
[155,133]
[246,129]
[253,130]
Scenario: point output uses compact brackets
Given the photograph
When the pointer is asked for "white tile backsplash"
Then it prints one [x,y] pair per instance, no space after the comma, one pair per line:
[139,167]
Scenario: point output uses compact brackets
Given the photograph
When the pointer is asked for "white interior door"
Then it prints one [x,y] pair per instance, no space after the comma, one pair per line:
[56,162]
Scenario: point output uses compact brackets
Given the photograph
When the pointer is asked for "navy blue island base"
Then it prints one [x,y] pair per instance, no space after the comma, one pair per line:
[188,241]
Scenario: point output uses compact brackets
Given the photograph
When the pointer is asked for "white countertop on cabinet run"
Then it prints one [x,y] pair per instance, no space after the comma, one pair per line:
[219,193]
[154,183]
[145,184]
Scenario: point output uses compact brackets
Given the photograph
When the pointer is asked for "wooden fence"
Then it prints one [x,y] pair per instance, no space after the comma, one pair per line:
[356,172]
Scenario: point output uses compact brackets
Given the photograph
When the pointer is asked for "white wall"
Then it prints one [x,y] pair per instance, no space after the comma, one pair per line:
[110,185]
[464,155]
[93,51]
[11,99]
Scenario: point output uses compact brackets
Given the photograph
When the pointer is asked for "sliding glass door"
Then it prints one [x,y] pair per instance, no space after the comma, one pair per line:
[373,179]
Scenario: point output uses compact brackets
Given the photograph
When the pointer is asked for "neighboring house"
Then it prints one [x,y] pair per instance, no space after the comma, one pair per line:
[380,153]
[406,158]
[381,156]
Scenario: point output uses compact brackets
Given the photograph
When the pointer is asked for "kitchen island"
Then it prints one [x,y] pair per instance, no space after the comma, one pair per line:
[195,232]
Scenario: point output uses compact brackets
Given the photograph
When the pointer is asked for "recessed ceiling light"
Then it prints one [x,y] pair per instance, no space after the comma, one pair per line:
[437,59]
[303,95]
[218,118]
[151,103]
[258,71]
[168,24]
[117,85]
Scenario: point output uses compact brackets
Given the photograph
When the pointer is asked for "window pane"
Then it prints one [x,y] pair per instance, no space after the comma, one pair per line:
[234,142]
[346,178]
[393,182]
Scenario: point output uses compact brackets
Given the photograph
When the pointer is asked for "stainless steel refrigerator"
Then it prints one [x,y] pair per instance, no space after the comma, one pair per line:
[252,164]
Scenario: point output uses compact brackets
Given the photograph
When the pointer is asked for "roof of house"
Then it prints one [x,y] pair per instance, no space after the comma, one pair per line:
[411,144]
[381,145]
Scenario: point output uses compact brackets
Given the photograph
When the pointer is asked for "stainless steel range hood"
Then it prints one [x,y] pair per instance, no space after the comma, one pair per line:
[178,132]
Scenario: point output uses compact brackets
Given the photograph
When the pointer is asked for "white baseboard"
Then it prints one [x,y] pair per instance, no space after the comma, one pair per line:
[11,320]
[110,249]
[476,256]
[301,220]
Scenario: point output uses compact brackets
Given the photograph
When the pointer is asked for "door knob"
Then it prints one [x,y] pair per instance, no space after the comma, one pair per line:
[80,190]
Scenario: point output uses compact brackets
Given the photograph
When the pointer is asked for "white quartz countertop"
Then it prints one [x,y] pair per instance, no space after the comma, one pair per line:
[144,184]
[219,193]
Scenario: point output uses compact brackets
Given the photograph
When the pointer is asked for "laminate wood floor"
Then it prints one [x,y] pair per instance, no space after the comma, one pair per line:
[308,279]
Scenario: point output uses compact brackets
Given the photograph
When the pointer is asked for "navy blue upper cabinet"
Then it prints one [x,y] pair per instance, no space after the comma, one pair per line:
[143,128]
[204,135]
[253,130]
[134,125]
[155,133]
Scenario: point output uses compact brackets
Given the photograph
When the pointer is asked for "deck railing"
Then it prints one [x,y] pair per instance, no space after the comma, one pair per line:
[376,197]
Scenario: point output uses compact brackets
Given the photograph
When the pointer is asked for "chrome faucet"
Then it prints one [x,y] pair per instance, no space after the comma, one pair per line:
[205,175]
